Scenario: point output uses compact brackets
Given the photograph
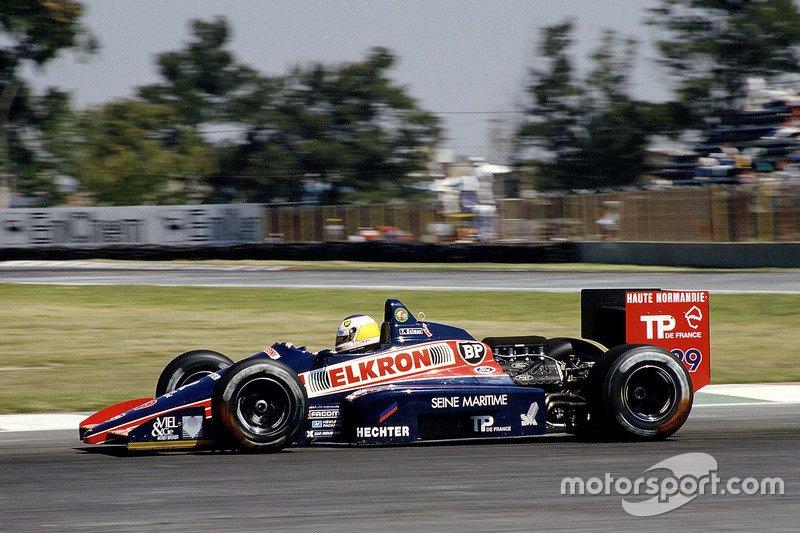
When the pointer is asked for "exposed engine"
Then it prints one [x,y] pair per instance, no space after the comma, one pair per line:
[553,366]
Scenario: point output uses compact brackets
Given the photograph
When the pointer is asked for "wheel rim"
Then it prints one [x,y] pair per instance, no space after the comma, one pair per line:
[262,406]
[649,393]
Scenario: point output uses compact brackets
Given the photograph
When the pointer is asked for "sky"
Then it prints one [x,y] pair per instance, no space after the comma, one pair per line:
[465,60]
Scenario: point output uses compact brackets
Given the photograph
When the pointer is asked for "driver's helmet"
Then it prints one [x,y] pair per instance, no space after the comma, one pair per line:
[357,333]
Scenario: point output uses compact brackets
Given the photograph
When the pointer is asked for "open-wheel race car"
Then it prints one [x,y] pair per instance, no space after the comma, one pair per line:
[633,374]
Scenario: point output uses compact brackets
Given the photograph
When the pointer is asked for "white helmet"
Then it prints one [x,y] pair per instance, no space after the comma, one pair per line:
[357,333]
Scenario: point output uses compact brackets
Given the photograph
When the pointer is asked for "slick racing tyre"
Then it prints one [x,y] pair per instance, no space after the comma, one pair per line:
[190,367]
[260,404]
[639,391]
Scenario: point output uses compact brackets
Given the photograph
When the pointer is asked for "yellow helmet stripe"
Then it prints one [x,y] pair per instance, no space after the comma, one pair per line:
[367,331]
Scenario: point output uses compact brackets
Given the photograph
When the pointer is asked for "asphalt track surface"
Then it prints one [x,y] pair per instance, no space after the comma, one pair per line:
[52,482]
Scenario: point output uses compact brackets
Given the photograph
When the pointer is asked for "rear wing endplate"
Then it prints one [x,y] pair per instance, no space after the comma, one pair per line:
[675,320]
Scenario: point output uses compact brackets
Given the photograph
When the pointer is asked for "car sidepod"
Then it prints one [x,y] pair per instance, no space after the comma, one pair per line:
[401,414]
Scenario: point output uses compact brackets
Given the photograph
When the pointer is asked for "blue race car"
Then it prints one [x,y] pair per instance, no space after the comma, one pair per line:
[412,380]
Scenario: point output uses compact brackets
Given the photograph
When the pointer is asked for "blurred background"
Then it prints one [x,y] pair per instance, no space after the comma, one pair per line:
[454,121]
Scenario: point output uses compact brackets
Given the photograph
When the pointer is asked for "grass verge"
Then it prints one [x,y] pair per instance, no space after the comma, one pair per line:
[80,348]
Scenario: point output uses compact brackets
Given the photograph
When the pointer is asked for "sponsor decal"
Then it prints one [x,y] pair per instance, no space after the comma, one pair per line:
[323,413]
[659,326]
[192,427]
[472,352]
[485,424]
[382,432]
[145,405]
[324,417]
[485,369]
[529,418]
[401,315]
[388,412]
[477,400]
[694,317]
[164,428]
[272,353]
[423,330]
[314,434]
[377,368]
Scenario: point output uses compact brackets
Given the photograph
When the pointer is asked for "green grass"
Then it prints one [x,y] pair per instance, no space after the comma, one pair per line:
[81,348]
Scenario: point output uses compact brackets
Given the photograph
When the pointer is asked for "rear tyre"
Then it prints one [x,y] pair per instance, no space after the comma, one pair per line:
[188,368]
[639,391]
[260,404]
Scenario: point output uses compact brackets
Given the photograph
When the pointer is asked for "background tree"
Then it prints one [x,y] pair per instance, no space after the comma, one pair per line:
[203,80]
[553,109]
[348,129]
[132,152]
[713,46]
[32,33]
[583,132]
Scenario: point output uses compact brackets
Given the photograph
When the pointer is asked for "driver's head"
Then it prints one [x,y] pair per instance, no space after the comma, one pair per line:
[357,333]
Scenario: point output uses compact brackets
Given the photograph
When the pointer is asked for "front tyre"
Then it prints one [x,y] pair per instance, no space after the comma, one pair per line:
[639,391]
[261,404]
[190,367]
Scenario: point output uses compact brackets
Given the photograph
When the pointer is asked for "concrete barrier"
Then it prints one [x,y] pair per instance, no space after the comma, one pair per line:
[378,251]
[702,255]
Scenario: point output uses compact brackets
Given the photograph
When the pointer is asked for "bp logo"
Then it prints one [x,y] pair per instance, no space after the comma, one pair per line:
[472,352]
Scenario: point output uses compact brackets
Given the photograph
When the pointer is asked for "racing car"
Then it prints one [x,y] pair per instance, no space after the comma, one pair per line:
[632,374]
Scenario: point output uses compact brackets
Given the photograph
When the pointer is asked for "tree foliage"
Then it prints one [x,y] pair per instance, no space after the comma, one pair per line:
[348,131]
[203,80]
[348,128]
[33,32]
[713,46]
[131,152]
[586,132]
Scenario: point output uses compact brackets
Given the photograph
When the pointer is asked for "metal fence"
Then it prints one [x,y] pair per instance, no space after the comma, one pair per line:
[718,213]
[766,212]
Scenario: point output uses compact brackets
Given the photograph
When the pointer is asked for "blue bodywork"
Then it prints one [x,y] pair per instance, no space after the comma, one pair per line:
[447,386]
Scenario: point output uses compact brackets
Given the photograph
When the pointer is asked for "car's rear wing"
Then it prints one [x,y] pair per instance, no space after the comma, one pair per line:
[675,320]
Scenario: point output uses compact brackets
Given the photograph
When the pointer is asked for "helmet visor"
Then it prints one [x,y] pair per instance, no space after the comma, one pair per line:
[346,336]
